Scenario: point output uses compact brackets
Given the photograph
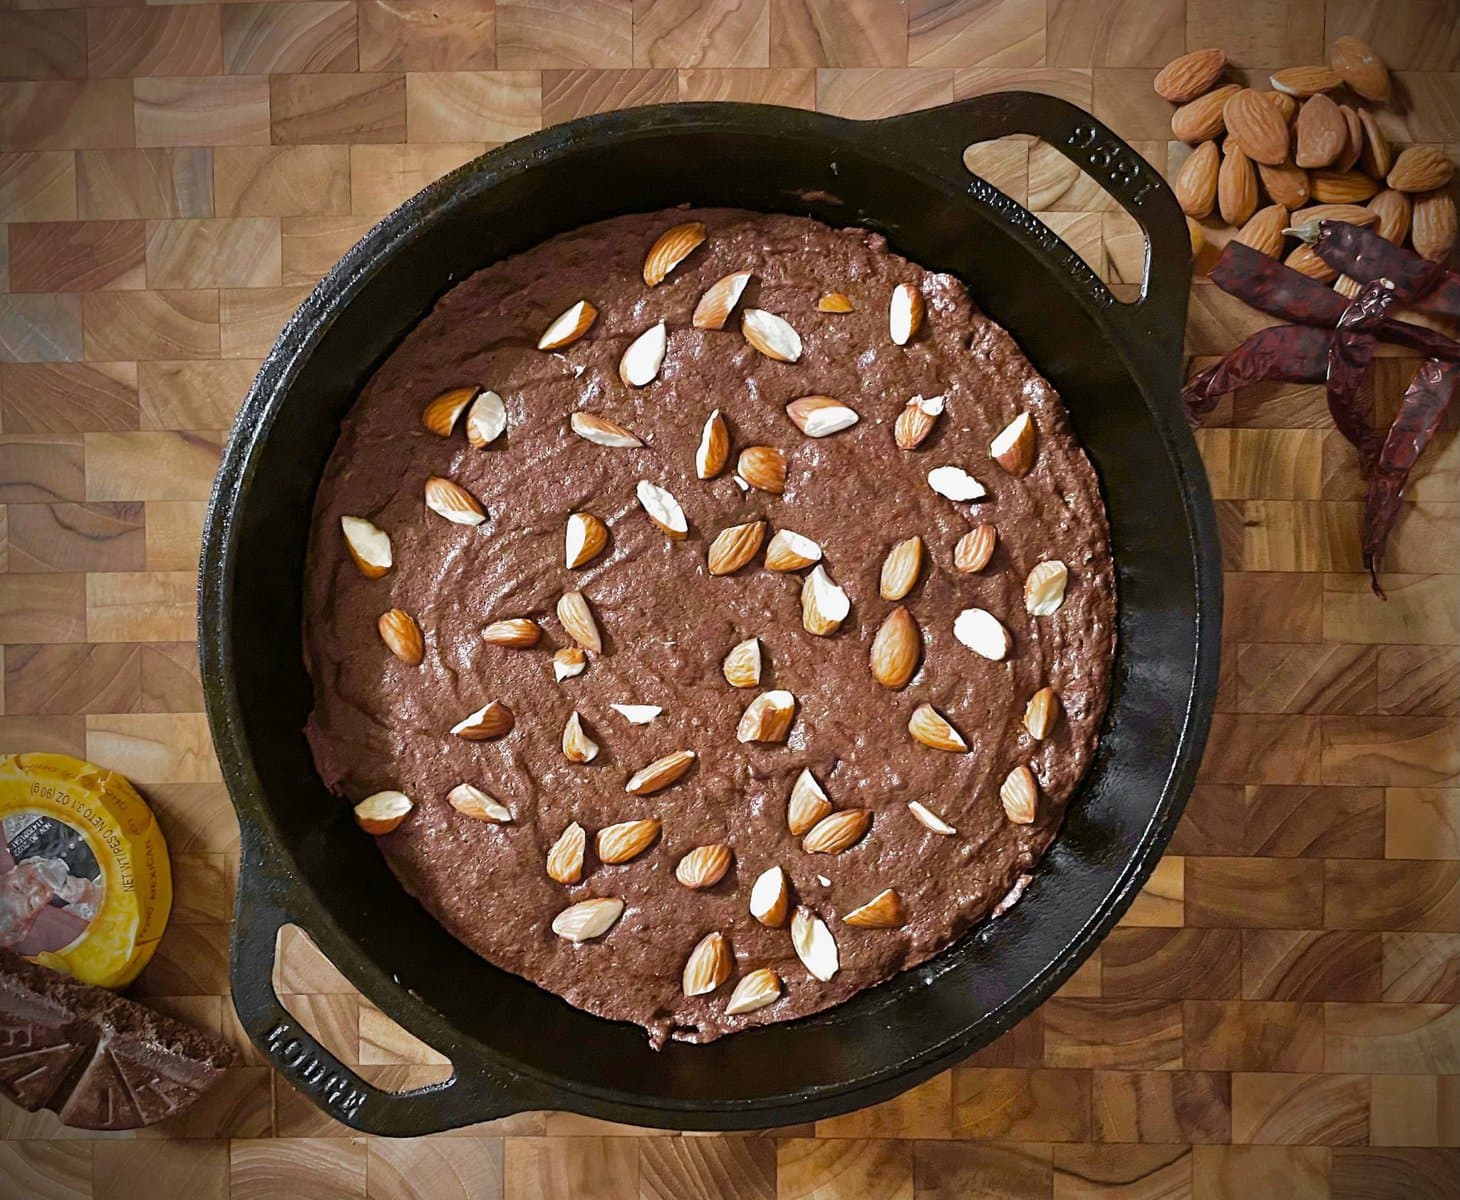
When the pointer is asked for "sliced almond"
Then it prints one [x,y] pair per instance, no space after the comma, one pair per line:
[837,831]
[916,420]
[714,447]
[402,636]
[569,327]
[518,633]
[369,546]
[439,416]
[672,248]
[486,421]
[983,633]
[719,301]
[602,432]
[1041,713]
[565,859]
[708,967]
[660,773]
[492,720]
[704,866]
[734,547]
[930,727]
[808,804]
[770,897]
[1011,897]
[578,747]
[883,911]
[754,991]
[663,509]
[771,335]
[471,801]
[583,539]
[1044,589]
[742,665]
[814,945]
[954,483]
[645,355]
[568,662]
[577,621]
[975,548]
[382,812]
[927,818]
[1013,449]
[834,302]
[448,499]
[789,551]
[896,648]
[821,416]
[764,468]
[1019,794]
[901,567]
[904,313]
[588,919]
[626,840]
[767,718]
[824,606]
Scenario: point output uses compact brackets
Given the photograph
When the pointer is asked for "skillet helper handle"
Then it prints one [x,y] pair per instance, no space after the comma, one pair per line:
[296,1054]
[1150,327]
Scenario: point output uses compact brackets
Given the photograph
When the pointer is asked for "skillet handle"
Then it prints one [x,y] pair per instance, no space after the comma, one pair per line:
[312,1069]
[1151,328]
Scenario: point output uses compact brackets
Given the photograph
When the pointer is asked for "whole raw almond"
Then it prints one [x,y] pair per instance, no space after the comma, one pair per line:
[1305,81]
[790,551]
[767,718]
[673,246]
[901,567]
[1201,119]
[1284,103]
[763,467]
[517,633]
[1196,182]
[930,727]
[1041,713]
[1304,223]
[1376,158]
[1257,125]
[709,965]
[1236,185]
[821,416]
[440,415]
[714,448]
[1264,230]
[1286,184]
[1187,77]
[975,548]
[1432,227]
[1355,146]
[1393,212]
[1343,187]
[565,859]
[1020,795]
[1361,68]
[492,720]
[719,301]
[447,498]
[754,991]
[916,421]
[588,919]
[883,911]
[627,840]
[402,636]
[807,805]
[660,773]
[704,866]
[895,649]
[1420,169]
[734,547]
[837,832]
[741,667]
[577,621]
[770,897]
[1322,132]
[382,812]
[369,546]
[583,539]
[1306,262]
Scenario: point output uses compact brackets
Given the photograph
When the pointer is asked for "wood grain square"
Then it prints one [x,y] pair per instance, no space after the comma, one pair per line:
[1262,33]
[153,747]
[1244,1172]
[1313,822]
[171,681]
[40,328]
[795,88]
[1308,679]
[565,34]
[76,537]
[841,1169]
[1392,1039]
[281,181]
[1412,35]
[1254,748]
[38,186]
[195,1169]
[1254,892]
[919,1112]
[65,115]
[427,35]
[384,177]
[427,1168]
[47,1170]
[1171,963]
[1284,964]
[1417,612]
[1160,900]
[593,1168]
[43,735]
[971,33]
[1300,1110]
[218,111]
[1263,463]
[203,887]
[77,256]
[958,1170]
[151,325]
[707,1168]
[215,252]
[240,1105]
[1133,1172]
[1021,1105]
[383,1041]
[300,966]
[1116,33]
[1391,751]
[321,1168]
[1253,1035]
[250,318]
[1392,894]
[43,45]
[333,1019]
[1394,1174]
[1421,967]
[1076,86]
[1421,823]
[701,33]
[43,608]
[337,108]
[312,245]
[72,679]
[1161,1106]
[1021,1046]
[472,106]
[192,394]
[173,40]
[1212,822]
[194,816]
[120,184]
[839,33]
[152,464]
[280,39]
[570,94]
[1273,606]
[1117,1033]
[140,606]
[1422,681]
[41,468]
[867,93]
[1414,1110]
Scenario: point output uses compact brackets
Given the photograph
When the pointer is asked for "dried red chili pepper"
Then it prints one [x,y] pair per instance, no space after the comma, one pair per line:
[1362,254]
[1431,391]
[1283,353]
[1350,355]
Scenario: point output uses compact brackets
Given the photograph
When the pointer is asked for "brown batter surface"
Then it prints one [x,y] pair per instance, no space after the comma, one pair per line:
[667,623]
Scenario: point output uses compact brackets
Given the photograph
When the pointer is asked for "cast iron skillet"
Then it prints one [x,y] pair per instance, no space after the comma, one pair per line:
[514,1046]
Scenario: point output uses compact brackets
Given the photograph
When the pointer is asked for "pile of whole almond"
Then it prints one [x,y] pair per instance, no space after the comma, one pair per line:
[1309,155]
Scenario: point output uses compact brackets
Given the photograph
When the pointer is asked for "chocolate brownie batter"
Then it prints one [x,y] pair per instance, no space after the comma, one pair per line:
[667,624]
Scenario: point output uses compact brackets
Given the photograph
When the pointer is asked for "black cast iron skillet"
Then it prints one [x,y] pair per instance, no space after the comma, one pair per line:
[514,1046]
